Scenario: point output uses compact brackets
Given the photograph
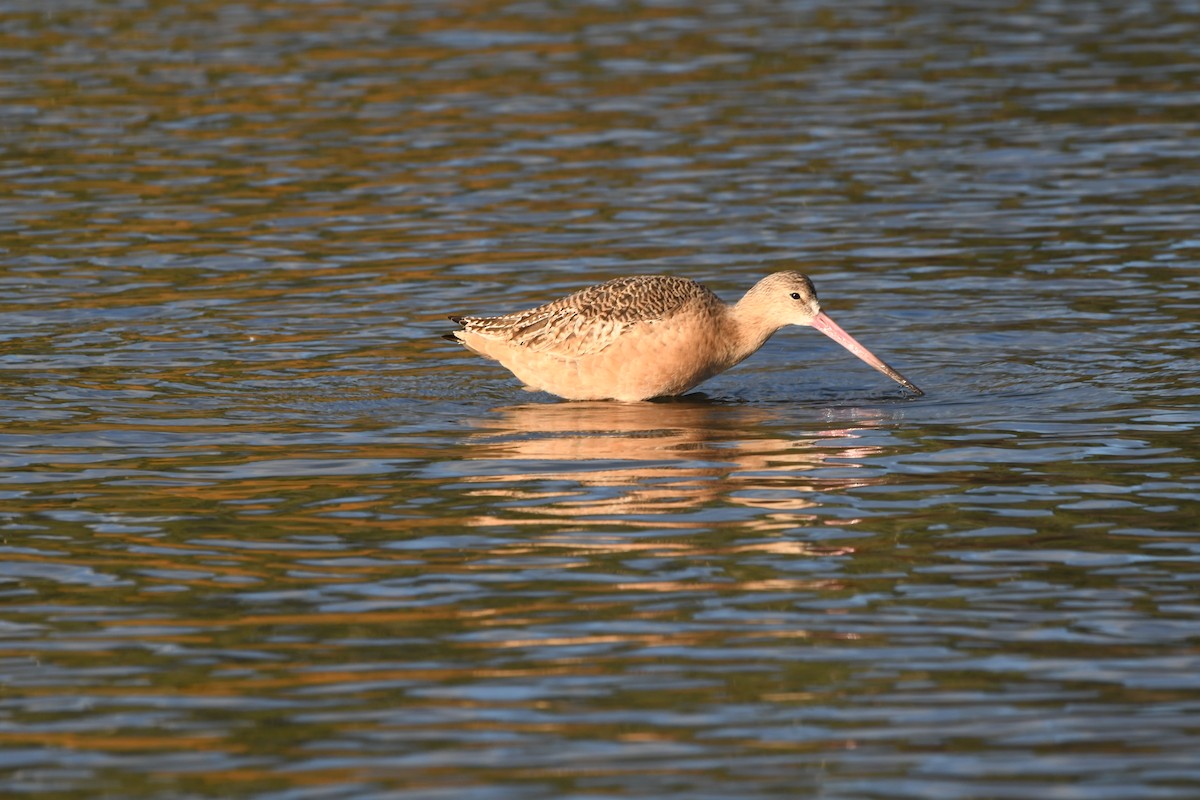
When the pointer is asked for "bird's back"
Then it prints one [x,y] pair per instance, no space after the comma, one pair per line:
[592,319]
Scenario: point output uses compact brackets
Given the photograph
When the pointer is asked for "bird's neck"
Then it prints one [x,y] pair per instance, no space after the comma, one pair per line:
[747,329]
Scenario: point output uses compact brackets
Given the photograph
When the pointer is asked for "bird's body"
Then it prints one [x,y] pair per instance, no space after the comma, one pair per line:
[646,336]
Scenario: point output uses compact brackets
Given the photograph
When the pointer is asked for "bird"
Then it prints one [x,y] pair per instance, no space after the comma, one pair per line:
[648,336]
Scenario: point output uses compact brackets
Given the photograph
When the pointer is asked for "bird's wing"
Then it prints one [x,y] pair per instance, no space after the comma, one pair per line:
[592,319]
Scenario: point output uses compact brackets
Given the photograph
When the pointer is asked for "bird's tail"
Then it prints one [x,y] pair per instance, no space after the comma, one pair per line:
[453,336]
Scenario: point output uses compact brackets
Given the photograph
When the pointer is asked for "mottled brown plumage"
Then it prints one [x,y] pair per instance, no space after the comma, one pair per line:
[647,336]
[592,319]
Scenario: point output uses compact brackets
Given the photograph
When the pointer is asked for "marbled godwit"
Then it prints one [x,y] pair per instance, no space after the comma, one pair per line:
[648,336]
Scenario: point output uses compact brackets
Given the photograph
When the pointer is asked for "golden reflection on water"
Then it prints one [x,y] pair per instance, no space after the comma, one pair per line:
[654,464]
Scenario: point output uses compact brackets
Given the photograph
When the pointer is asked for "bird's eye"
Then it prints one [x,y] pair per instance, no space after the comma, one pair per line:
[795,295]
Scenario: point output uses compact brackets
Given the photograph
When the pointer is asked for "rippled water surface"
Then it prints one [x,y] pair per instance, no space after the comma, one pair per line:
[264,534]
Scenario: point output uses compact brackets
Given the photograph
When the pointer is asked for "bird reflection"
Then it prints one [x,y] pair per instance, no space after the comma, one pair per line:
[662,468]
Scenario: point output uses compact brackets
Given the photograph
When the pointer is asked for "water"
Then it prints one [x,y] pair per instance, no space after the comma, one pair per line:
[264,534]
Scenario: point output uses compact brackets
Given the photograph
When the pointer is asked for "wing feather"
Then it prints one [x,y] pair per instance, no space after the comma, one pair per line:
[592,319]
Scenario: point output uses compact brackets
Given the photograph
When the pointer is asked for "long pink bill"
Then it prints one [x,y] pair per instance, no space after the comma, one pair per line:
[831,329]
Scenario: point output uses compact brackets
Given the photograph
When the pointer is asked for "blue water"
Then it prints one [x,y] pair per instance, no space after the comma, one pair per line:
[263,533]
